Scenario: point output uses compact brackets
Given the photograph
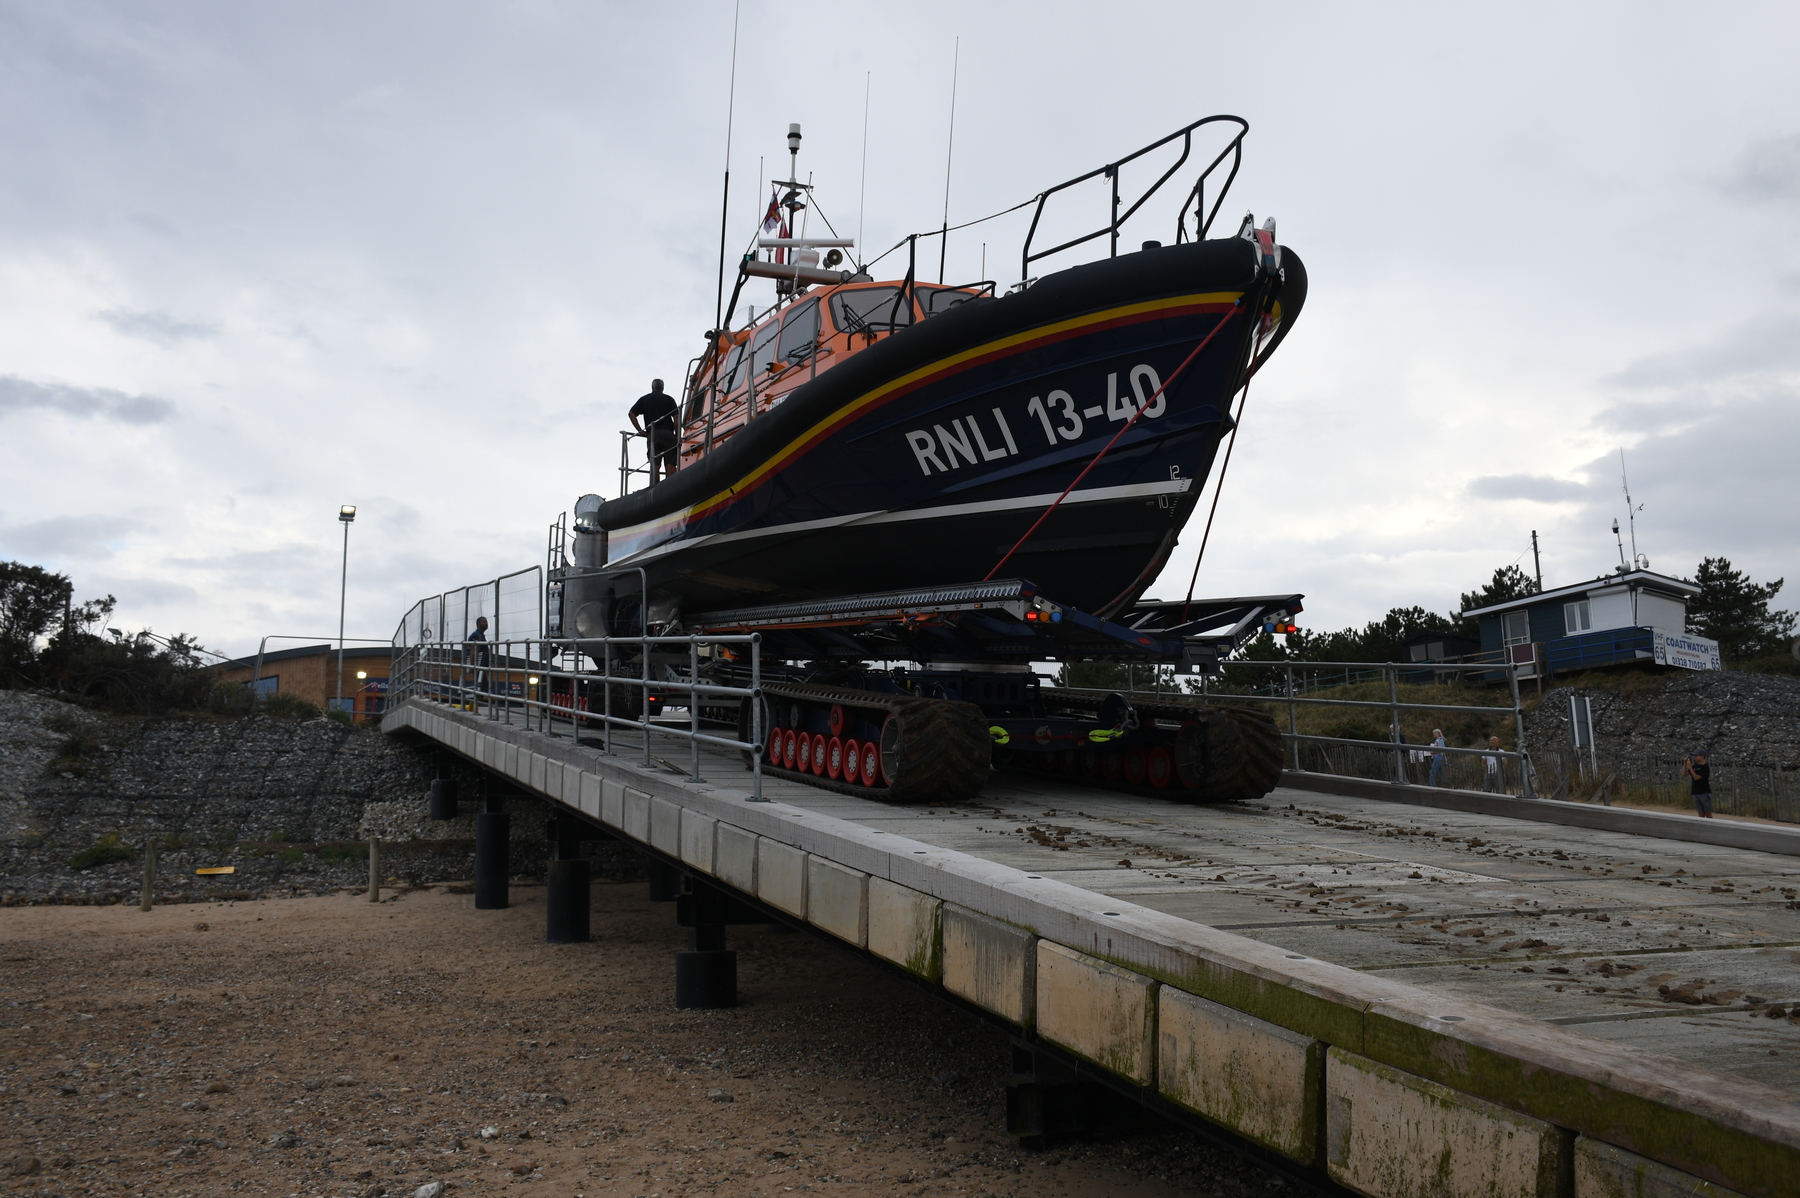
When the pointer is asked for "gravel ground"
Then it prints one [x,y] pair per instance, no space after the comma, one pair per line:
[327,1046]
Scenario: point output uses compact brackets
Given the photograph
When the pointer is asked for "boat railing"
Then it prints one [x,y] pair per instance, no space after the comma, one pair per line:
[628,469]
[1196,197]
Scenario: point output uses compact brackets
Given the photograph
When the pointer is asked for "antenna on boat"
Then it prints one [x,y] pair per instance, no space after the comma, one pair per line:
[949,147]
[725,205]
[862,200]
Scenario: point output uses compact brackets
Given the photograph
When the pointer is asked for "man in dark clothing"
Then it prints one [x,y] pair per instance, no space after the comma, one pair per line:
[1695,767]
[658,411]
[477,653]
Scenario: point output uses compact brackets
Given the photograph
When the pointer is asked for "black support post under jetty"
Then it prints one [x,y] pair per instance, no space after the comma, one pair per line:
[443,798]
[566,884]
[493,852]
[706,975]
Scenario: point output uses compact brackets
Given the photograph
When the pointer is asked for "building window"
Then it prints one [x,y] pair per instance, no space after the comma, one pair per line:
[268,684]
[1576,618]
[1515,627]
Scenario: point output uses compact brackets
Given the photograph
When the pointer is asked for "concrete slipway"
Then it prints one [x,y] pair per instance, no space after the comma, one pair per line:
[1409,1000]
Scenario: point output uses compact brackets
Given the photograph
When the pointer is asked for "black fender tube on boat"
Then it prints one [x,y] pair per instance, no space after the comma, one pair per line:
[1223,264]
[1292,298]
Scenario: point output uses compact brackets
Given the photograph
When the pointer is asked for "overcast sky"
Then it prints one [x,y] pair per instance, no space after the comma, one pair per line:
[260,260]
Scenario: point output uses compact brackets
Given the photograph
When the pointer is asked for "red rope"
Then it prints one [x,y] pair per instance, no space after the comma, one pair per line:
[1217,487]
[1205,341]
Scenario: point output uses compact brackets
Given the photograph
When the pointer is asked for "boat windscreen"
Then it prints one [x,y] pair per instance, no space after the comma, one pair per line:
[933,300]
[799,332]
[869,309]
[704,382]
[763,351]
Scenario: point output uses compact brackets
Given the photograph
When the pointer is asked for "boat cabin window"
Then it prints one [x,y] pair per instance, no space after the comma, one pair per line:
[763,351]
[870,309]
[728,378]
[703,382]
[933,300]
[800,332]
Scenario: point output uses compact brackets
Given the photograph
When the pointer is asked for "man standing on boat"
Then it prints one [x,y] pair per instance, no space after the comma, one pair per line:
[658,410]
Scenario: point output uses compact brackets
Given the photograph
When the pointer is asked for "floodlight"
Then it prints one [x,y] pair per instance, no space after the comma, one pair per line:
[347,513]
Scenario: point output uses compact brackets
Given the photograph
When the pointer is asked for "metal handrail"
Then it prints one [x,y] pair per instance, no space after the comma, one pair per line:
[1391,672]
[1235,148]
[454,672]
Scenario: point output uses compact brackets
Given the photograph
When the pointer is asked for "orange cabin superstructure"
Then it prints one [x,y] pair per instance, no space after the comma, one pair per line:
[794,343]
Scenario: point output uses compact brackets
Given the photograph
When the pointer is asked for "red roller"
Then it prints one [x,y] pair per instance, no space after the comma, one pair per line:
[834,758]
[790,748]
[853,760]
[803,752]
[776,741]
[871,764]
[1160,767]
[837,719]
[887,774]
[818,753]
[1134,765]
[1112,764]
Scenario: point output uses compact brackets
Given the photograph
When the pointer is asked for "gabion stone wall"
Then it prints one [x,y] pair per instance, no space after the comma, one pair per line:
[290,804]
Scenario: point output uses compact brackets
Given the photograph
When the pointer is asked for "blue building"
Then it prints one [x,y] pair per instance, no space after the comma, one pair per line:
[1626,616]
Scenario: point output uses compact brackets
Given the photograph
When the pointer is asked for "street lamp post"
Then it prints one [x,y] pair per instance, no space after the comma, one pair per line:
[346,517]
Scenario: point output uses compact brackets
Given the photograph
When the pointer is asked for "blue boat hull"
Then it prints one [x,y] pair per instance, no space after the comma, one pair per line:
[923,459]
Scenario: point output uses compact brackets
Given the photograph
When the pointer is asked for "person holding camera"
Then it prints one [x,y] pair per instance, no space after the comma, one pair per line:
[1695,767]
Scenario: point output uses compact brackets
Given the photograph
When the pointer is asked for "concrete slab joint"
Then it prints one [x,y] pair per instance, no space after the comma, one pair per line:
[637,815]
[1391,1134]
[990,963]
[665,826]
[1260,1080]
[1097,1010]
[612,803]
[781,876]
[1605,1171]
[905,928]
[837,900]
[697,840]
[589,800]
[734,857]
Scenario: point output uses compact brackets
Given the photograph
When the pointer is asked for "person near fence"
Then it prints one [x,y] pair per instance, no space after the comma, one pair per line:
[1438,760]
[477,653]
[658,411]
[1490,767]
[1696,769]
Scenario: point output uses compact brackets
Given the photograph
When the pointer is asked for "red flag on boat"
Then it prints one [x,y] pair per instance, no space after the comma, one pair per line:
[774,223]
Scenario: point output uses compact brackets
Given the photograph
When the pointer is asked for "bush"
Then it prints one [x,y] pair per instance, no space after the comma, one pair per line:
[342,717]
[230,699]
[107,851]
[290,707]
[342,852]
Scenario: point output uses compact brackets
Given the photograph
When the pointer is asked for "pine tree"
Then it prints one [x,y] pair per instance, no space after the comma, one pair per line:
[1735,612]
[1508,583]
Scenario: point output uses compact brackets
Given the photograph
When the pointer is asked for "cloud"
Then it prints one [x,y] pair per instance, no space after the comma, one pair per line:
[66,538]
[1769,170]
[158,327]
[1763,344]
[1537,488]
[17,395]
